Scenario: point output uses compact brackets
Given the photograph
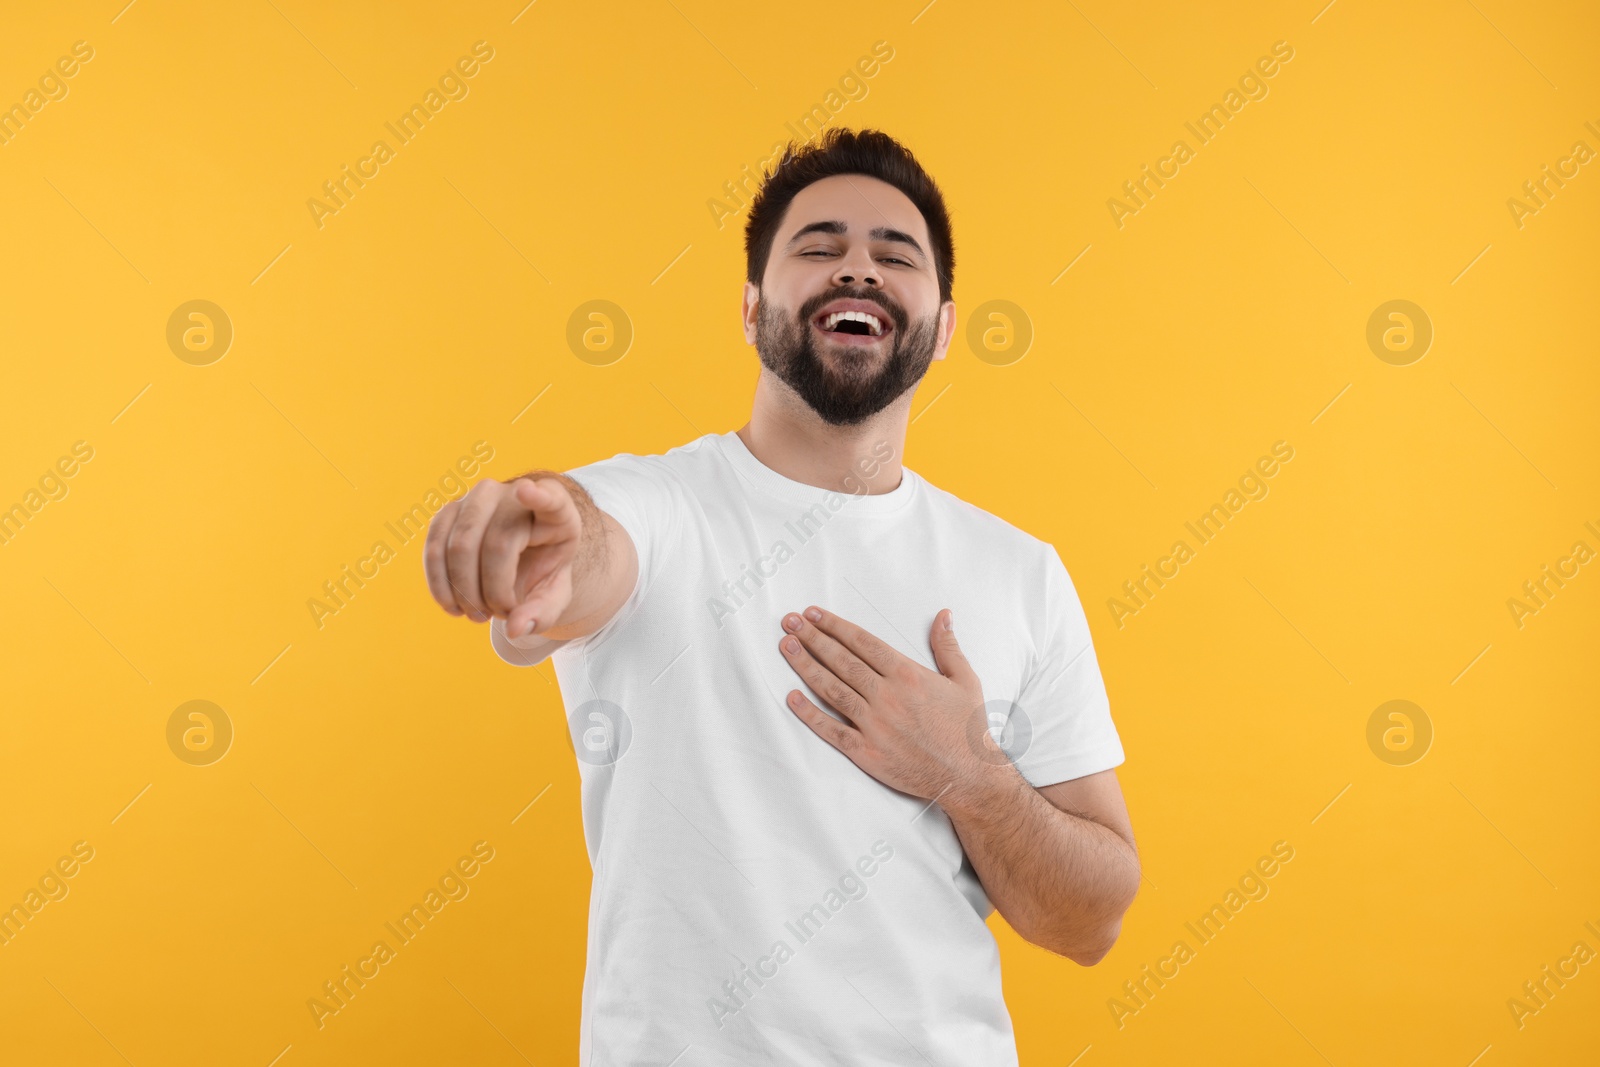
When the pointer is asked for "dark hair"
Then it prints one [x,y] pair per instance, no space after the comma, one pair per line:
[845,151]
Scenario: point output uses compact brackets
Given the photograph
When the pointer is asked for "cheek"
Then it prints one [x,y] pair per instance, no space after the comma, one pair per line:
[923,319]
[919,302]
[777,315]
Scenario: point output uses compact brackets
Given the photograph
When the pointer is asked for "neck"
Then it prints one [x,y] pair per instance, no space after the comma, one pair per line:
[788,437]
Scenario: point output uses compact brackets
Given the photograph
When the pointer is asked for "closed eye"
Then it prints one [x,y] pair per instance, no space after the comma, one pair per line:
[823,252]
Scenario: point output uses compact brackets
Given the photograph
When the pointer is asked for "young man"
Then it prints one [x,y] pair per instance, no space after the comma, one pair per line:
[795,804]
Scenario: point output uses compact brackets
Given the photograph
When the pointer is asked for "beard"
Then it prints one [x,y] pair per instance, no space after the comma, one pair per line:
[844,389]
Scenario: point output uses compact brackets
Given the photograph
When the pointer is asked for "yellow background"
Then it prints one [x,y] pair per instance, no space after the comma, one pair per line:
[369,354]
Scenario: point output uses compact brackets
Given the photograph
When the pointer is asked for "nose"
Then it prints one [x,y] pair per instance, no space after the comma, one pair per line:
[858,264]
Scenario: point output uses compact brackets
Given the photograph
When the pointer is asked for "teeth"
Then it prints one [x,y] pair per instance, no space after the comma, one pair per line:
[872,321]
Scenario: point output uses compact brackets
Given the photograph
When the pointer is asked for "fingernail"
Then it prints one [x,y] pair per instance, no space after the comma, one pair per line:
[949,620]
[791,622]
[814,615]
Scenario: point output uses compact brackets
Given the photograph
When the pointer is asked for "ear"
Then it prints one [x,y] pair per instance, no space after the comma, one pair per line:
[749,310]
[947,328]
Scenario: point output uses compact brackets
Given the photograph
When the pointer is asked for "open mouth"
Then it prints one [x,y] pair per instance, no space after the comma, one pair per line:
[854,327]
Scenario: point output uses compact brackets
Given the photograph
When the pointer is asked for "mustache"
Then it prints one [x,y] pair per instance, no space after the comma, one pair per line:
[816,304]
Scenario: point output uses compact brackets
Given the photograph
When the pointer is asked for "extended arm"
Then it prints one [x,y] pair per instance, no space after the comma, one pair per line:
[535,556]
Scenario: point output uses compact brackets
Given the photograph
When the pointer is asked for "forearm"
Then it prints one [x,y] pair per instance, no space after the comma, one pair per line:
[1061,881]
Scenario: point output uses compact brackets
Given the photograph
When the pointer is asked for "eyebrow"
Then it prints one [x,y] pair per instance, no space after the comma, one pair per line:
[879,233]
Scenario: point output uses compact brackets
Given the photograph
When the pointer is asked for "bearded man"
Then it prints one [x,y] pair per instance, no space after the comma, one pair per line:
[802,794]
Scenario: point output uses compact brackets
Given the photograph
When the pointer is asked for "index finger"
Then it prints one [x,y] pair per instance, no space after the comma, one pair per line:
[876,654]
[554,510]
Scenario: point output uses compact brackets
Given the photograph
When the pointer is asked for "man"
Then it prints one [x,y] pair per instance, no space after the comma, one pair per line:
[795,805]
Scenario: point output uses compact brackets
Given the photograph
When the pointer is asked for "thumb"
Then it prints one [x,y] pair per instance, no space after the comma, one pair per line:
[530,494]
[947,652]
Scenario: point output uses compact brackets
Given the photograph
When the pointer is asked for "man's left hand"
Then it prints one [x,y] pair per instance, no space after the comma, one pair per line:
[919,731]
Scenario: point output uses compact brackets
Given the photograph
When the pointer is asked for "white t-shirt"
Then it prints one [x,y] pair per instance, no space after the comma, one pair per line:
[757,897]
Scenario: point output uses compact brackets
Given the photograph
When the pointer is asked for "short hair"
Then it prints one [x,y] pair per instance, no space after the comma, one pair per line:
[844,151]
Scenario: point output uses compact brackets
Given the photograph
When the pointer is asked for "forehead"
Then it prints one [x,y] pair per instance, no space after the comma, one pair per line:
[861,202]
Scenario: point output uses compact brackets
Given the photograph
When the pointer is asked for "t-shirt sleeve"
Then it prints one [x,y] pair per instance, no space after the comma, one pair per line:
[1063,704]
[646,499]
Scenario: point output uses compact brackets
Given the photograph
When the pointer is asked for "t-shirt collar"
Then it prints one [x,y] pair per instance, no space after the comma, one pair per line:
[769,481]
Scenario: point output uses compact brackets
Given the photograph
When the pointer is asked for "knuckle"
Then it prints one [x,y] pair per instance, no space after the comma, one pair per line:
[873,647]
[843,698]
[460,565]
[439,529]
[457,549]
[860,677]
